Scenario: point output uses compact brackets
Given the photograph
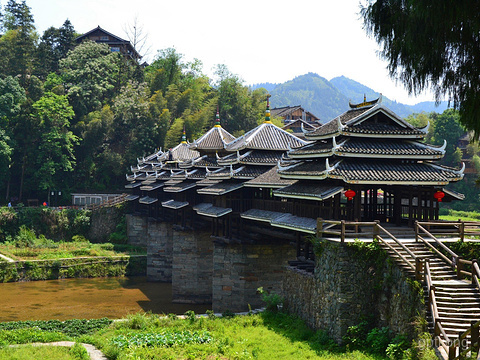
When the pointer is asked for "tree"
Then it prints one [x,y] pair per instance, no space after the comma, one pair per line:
[54,45]
[17,46]
[54,155]
[12,95]
[240,108]
[91,75]
[432,45]
[137,37]
[447,127]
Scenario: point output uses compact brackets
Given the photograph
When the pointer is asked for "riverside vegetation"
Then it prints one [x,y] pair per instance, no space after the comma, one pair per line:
[51,244]
[267,335]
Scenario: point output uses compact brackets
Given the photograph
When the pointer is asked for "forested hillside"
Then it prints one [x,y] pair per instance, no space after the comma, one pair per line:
[326,99]
[75,117]
[315,93]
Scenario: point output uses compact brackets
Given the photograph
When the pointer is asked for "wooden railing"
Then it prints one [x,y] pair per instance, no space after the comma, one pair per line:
[458,264]
[456,348]
[111,202]
[458,228]
[354,229]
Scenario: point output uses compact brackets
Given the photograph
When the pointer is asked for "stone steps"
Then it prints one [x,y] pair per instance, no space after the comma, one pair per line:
[458,302]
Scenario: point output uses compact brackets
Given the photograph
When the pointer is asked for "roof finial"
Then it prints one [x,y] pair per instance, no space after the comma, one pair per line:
[184,137]
[217,119]
[364,98]
[267,112]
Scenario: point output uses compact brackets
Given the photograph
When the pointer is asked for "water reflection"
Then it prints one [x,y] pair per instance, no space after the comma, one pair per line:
[87,299]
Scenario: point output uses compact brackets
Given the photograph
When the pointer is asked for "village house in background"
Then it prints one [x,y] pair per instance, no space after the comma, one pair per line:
[292,113]
[295,118]
[115,43]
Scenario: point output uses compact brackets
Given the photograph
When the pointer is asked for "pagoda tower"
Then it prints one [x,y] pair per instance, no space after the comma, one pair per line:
[371,165]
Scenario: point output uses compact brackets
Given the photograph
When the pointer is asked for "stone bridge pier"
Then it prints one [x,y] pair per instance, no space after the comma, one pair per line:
[206,270]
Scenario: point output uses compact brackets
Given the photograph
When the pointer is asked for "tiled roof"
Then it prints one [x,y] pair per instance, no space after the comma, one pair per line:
[269,179]
[356,121]
[172,204]
[182,186]
[265,137]
[299,123]
[261,215]
[372,171]
[214,139]
[200,162]
[318,148]
[390,147]
[331,127]
[393,171]
[305,168]
[284,111]
[381,129]
[133,185]
[207,182]
[254,157]
[147,200]
[282,220]
[245,172]
[221,188]
[181,152]
[310,190]
[302,224]
[152,186]
[214,211]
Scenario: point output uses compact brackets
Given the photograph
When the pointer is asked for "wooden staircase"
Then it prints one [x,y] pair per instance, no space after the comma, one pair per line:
[456,301]
[452,294]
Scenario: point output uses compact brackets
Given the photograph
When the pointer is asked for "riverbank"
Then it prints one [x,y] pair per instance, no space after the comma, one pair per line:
[79,267]
[265,335]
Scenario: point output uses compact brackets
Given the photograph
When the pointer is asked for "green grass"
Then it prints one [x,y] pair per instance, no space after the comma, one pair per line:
[454,215]
[261,336]
[143,336]
[29,352]
[64,250]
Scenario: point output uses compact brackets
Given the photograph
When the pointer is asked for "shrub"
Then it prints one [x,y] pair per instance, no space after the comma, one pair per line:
[79,352]
[8,223]
[356,336]
[378,339]
[272,300]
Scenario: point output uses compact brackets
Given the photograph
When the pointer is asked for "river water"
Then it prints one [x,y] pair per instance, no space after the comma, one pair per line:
[65,299]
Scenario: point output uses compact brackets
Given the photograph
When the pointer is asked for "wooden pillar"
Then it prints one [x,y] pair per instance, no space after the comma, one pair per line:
[397,207]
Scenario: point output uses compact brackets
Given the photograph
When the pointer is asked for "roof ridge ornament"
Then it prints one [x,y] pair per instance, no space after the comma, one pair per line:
[267,111]
[460,172]
[184,136]
[217,119]
[339,124]
[425,128]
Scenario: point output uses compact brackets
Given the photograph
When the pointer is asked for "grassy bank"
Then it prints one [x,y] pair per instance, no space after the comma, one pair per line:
[260,336]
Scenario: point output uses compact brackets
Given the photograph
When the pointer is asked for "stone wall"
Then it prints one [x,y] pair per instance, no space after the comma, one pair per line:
[104,222]
[192,267]
[350,285]
[137,230]
[159,251]
[240,269]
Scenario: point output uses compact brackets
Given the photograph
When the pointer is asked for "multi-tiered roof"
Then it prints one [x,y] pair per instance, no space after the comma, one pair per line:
[369,144]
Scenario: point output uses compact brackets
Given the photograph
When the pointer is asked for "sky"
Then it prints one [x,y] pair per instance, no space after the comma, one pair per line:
[258,40]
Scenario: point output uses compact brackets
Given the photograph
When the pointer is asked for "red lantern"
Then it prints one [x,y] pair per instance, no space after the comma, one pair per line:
[350,194]
[439,195]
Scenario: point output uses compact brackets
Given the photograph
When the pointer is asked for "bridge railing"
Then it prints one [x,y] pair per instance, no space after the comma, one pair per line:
[354,229]
[456,349]
[111,202]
